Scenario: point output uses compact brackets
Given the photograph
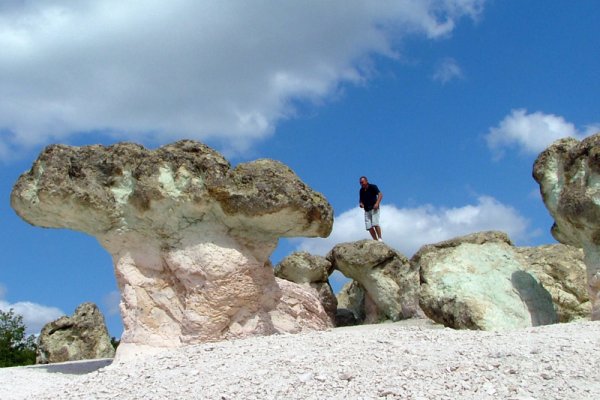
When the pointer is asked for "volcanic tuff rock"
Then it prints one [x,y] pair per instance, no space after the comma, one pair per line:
[313,271]
[568,173]
[560,268]
[479,281]
[190,237]
[82,336]
[354,298]
[302,267]
[385,274]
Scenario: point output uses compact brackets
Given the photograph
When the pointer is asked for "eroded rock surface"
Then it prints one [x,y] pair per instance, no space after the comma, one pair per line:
[561,270]
[82,336]
[480,282]
[312,271]
[303,267]
[385,275]
[568,173]
[190,237]
[354,299]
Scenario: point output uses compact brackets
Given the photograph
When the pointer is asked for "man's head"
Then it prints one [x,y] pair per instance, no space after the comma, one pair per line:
[364,182]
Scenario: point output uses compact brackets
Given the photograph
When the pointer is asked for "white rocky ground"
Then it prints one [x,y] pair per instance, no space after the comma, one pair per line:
[390,361]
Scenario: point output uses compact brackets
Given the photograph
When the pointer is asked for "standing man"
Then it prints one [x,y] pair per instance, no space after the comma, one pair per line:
[370,197]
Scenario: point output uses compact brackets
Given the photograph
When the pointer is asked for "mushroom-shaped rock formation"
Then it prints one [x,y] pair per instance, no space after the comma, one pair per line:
[568,173]
[385,274]
[189,236]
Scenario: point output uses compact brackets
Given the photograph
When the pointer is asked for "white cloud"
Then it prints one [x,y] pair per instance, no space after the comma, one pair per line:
[35,316]
[533,132]
[155,70]
[447,70]
[407,229]
[112,302]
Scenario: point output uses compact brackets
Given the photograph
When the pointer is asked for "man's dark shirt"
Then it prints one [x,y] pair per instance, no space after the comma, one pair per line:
[368,196]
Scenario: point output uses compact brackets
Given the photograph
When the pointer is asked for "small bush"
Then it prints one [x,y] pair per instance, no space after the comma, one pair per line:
[15,348]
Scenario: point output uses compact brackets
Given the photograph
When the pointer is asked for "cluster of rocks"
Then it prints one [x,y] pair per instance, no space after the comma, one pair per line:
[191,237]
[482,281]
[479,281]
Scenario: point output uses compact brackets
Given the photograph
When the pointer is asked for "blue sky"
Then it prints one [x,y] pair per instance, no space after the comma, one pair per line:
[443,104]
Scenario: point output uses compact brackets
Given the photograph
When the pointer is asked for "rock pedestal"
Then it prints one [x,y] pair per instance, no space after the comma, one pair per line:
[568,173]
[190,237]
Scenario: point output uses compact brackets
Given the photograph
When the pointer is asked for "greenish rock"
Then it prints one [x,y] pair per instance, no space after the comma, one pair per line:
[480,281]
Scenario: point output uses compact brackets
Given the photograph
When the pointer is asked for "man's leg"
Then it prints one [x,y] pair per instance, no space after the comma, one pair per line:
[375,225]
[378,231]
[373,233]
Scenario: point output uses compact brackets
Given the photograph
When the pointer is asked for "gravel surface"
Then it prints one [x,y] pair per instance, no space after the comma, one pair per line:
[387,361]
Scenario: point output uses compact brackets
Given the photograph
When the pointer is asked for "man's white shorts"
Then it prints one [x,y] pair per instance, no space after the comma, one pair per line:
[371,218]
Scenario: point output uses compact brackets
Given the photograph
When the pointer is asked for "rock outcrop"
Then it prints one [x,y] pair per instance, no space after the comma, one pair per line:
[82,336]
[386,275]
[354,299]
[190,237]
[561,270]
[303,267]
[480,282]
[312,271]
[568,173]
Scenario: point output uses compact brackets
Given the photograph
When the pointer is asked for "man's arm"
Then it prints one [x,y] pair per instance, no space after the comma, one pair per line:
[379,197]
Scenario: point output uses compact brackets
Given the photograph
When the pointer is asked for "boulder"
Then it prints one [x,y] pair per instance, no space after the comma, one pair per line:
[310,271]
[327,298]
[480,282]
[351,298]
[298,310]
[190,237]
[568,173]
[303,267]
[83,336]
[355,299]
[386,276]
[561,270]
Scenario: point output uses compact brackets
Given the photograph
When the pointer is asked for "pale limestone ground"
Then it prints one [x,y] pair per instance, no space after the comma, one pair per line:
[389,361]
